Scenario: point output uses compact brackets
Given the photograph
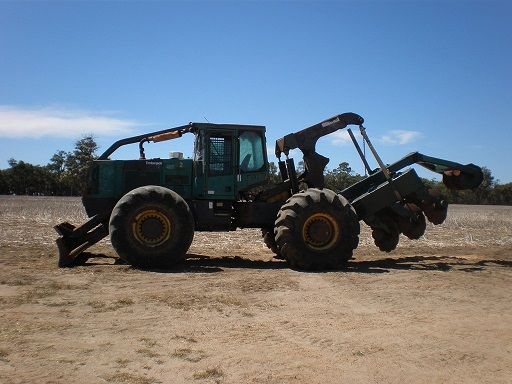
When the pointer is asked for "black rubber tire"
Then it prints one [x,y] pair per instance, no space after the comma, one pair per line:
[414,227]
[171,219]
[386,240]
[435,207]
[270,241]
[296,219]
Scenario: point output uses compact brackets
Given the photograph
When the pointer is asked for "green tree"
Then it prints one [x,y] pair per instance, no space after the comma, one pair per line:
[4,186]
[27,179]
[77,164]
[57,169]
[341,177]
[500,194]
[483,191]
[57,164]
[273,174]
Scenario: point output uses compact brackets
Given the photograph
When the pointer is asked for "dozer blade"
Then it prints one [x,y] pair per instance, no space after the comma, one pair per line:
[74,240]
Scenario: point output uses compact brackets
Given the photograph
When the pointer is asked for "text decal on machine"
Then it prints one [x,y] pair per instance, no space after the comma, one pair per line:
[330,122]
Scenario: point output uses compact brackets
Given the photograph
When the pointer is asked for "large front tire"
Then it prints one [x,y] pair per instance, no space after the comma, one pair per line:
[317,229]
[151,227]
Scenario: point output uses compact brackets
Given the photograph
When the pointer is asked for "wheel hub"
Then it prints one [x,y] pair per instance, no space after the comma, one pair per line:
[151,227]
[320,231]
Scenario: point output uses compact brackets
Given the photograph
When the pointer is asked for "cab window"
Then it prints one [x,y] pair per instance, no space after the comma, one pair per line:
[251,152]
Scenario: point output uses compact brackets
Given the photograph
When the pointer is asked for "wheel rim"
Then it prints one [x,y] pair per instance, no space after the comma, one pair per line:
[320,231]
[151,228]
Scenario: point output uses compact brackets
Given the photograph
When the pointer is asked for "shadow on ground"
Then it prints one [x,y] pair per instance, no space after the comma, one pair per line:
[427,263]
[205,264]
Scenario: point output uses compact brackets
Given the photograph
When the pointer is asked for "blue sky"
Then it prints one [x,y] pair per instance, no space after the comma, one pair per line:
[433,76]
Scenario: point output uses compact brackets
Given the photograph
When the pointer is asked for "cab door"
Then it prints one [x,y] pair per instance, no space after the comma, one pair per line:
[252,159]
[220,170]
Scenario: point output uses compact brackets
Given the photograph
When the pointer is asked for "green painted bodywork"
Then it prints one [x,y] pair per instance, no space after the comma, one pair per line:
[196,179]
[117,177]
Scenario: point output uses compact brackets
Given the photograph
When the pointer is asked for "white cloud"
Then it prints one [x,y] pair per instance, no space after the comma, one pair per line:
[36,122]
[396,137]
[399,137]
[343,138]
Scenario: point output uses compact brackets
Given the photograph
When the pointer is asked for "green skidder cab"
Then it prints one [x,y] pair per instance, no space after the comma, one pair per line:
[228,161]
[151,207]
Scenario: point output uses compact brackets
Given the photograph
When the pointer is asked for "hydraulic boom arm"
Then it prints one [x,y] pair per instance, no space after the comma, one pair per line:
[306,139]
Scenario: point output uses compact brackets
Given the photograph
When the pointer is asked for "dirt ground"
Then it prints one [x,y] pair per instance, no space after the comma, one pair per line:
[436,310]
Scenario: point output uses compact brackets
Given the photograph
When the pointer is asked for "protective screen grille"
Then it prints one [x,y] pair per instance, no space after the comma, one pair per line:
[221,155]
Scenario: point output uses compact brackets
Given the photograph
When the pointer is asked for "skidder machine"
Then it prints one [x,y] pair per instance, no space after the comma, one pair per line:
[151,207]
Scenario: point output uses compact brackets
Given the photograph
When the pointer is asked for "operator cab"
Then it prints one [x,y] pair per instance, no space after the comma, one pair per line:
[228,160]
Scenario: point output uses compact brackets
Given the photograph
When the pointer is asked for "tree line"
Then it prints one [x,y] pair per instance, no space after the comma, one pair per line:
[66,175]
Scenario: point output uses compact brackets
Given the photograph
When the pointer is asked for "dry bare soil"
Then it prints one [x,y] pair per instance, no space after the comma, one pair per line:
[437,310]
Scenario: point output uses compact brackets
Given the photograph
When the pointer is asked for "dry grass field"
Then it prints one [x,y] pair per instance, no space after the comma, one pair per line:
[436,310]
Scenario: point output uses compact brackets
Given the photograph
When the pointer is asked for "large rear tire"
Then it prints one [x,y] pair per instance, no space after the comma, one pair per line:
[151,227]
[270,241]
[317,229]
